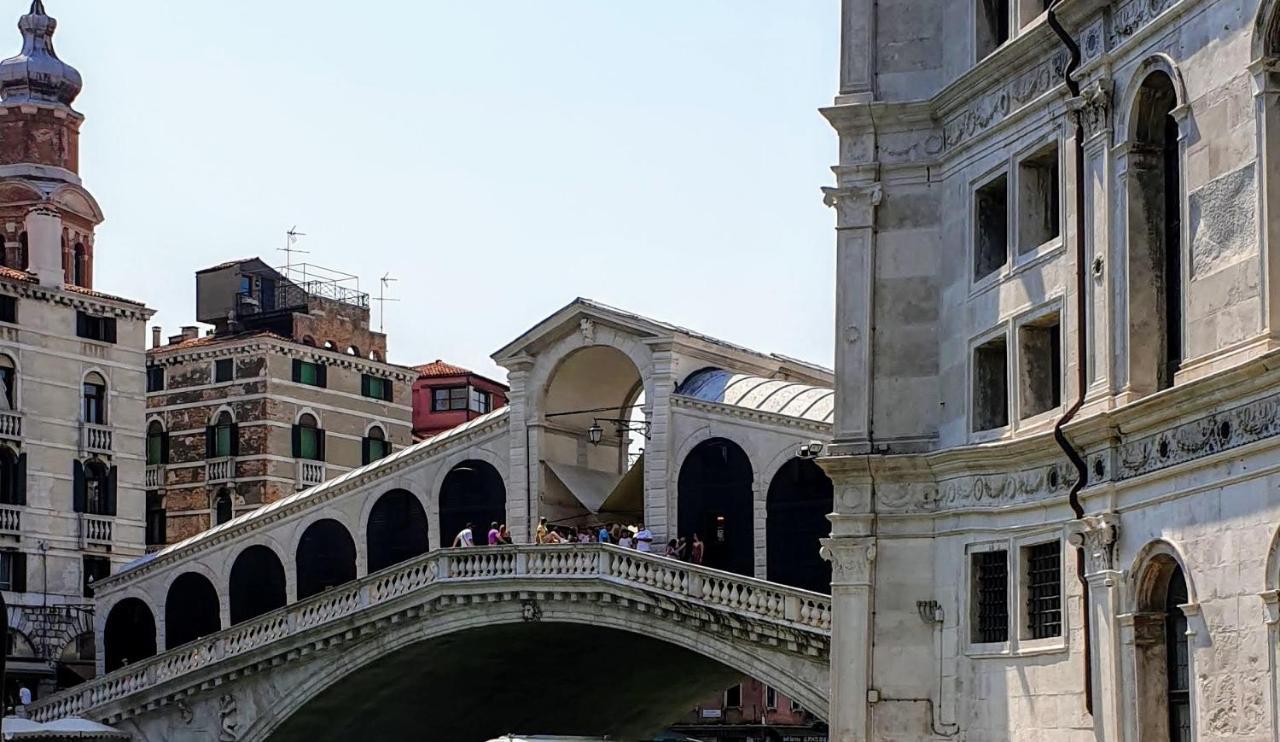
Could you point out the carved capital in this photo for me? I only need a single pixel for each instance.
(854, 204)
(851, 560)
(1096, 534)
(1271, 606)
(1094, 108)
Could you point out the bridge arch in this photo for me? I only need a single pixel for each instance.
(191, 609)
(800, 498)
(395, 530)
(472, 492)
(257, 583)
(129, 634)
(715, 495)
(325, 557)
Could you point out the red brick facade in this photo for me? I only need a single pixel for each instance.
(428, 417)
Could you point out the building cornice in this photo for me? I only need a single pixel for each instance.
(93, 303)
(235, 347)
(754, 416)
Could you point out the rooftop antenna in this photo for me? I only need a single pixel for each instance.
(382, 300)
(291, 239)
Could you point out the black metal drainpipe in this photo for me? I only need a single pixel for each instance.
(1082, 379)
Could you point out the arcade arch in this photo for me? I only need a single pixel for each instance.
(257, 584)
(800, 498)
(397, 530)
(129, 634)
(326, 557)
(715, 494)
(191, 610)
(472, 492)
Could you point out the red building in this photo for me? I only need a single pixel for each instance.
(751, 712)
(446, 396)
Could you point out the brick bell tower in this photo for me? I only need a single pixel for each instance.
(45, 212)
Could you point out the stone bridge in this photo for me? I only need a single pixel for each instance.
(467, 644)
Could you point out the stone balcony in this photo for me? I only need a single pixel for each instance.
(10, 425)
(95, 438)
(155, 476)
(310, 473)
(95, 530)
(217, 471)
(10, 519)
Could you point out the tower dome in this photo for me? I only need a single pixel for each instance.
(36, 75)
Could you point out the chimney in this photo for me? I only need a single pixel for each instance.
(44, 247)
(155, 336)
(190, 332)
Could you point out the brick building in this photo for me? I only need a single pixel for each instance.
(71, 380)
(288, 389)
(446, 396)
(751, 712)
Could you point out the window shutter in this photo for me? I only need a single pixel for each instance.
(322, 375)
(365, 455)
(77, 486)
(164, 447)
(365, 384)
(19, 572)
(20, 481)
(110, 329)
(210, 441)
(320, 444)
(111, 490)
(386, 390)
(235, 439)
(297, 441)
(82, 324)
(297, 370)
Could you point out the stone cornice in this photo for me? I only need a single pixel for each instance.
(233, 347)
(756, 416)
(97, 304)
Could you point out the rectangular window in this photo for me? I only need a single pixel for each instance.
(155, 519)
(993, 25)
(155, 448)
(451, 398)
(375, 387)
(89, 327)
(312, 374)
(990, 597)
(991, 228)
(8, 309)
(481, 401)
(375, 448)
(1029, 10)
(223, 370)
(796, 708)
(770, 699)
(222, 440)
(95, 568)
(733, 697)
(1039, 205)
(1040, 366)
(13, 571)
(309, 443)
(991, 385)
(155, 378)
(1044, 589)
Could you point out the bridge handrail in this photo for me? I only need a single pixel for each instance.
(759, 599)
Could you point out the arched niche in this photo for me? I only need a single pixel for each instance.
(129, 635)
(715, 502)
(257, 584)
(326, 558)
(191, 610)
(397, 530)
(800, 498)
(472, 492)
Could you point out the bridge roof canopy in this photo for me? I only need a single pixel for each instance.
(777, 396)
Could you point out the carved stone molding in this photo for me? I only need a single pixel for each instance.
(228, 719)
(851, 560)
(588, 329)
(1097, 535)
(906, 497)
(985, 490)
(1271, 606)
(853, 203)
(1197, 439)
(1131, 16)
(990, 109)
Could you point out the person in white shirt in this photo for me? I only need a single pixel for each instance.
(644, 539)
(464, 538)
(625, 542)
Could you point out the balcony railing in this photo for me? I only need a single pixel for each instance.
(11, 425)
(10, 519)
(155, 476)
(220, 470)
(310, 473)
(95, 438)
(95, 529)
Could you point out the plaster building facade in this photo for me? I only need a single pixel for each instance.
(245, 415)
(1056, 219)
(71, 389)
(446, 396)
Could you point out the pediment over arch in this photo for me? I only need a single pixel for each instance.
(78, 201)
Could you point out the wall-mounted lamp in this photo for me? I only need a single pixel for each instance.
(595, 433)
(930, 611)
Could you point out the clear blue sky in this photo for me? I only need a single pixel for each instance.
(499, 157)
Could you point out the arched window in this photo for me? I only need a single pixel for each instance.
(353, 351)
(4, 251)
(79, 266)
(94, 398)
(376, 445)
(190, 610)
(257, 584)
(222, 438)
(129, 635)
(1155, 237)
(715, 503)
(375, 355)
(223, 507)
(8, 378)
(157, 444)
(1162, 657)
(95, 488)
(326, 558)
(472, 492)
(800, 498)
(308, 439)
(156, 519)
(308, 340)
(397, 530)
(329, 345)
(1178, 658)
(13, 477)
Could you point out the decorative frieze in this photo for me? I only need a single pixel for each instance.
(1131, 16)
(1197, 439)
(988, 110)
(1029, 485)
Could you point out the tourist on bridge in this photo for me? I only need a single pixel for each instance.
(465, 537)
(540, 535)
(697, 550)
(494, 534)
(603, 535)
(644, 539)
(504, 535)
(626, 541)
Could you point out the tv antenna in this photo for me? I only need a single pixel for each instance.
(382, 300)
(291, 239)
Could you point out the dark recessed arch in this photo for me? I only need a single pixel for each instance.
(257, 584)
(326, 557)
(472, 492)
(715, 502)
(190, 610)
(129, 635)
(800, 498)
(397, 530)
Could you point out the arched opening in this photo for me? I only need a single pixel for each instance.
(257, 584)
(473, 493)
(353, 351)
(800, 498)
(94, 399)
(376, 445)
(592, 442)
(1163, 701)
(9, 380)
(715, 503)
(397, 530)
(223, 507)
(129, 634)
(1155, 237)
(326, 558)
(190, 610)
(157, 444)
(308, 340)
(329, 345)
(308, 438)
(222, 438)
(79, 266)
(98, 487)
(375, 355)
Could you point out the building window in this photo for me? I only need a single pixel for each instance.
(223, 370)
(155, 378)
(95, 488)
(1039, 200)
(312, 374)
(8, 308)
(990, 597)
(80, 266)
(1040, 365)
(95, 568)
(375, 387)
(13, 477)
(795, 707)
(308, 439)
(1044, 589)
(993, 25)
(223, 507)
(94, 407)
(1178, 659)
(155, 519)
(481, 401)
(9, 378)
(733, 697)
(24, 251)
(13, 572)
(991, 227)
(376, 445)
(222, 438)
(89, 327)
(991, 385)
(770, 699)
(157, 444)
(449, 399)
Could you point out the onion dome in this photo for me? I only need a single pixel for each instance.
(36, 75)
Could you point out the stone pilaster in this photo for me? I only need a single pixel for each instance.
(1094, 106)
(1266, 100)
(522, 485)
(852, 575)
(857, 45)
(659, 500)
(1097, 536)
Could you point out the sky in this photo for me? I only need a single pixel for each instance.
(497, 157)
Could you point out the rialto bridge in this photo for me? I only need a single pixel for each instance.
(342, 596)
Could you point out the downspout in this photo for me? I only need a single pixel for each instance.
(1082, 379)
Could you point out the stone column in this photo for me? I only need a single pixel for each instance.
(659, 501)
(1266, 98)
(1097, 536)
(522, 489)
(852, 560)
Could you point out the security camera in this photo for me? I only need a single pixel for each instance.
(810, 450)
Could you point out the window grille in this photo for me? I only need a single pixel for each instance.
(1044, 590)
(991, 585)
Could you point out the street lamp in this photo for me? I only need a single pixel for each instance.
(595, 432)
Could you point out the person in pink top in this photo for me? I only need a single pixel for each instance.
(495, 536)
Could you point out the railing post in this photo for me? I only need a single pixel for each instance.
(693, 585)
(442, 571)
(791, 608)
(604, 564)
(522, 562)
